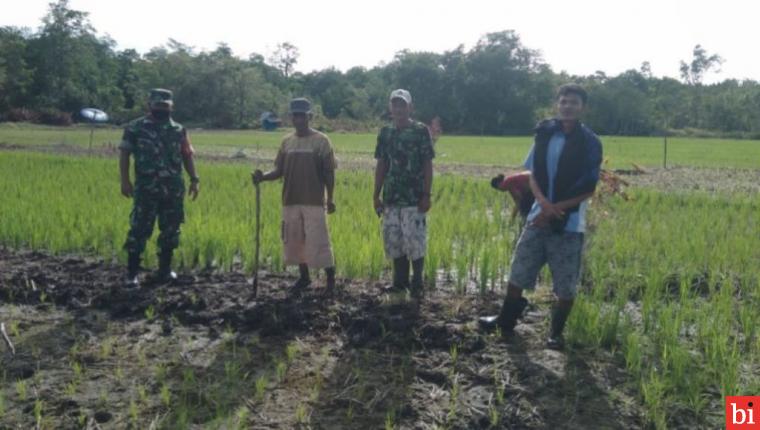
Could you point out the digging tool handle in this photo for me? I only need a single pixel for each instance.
(258, 240)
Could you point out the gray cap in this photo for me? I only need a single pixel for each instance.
(300, 105)
(160, 95)
(401, 94)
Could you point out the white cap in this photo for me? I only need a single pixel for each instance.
(401, 94)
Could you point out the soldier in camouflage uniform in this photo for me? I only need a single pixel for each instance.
(404, 175)
(160, 147)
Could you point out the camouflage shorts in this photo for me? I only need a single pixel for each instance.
(404, 232)
(561, 251)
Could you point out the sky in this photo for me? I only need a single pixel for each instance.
(579, 37)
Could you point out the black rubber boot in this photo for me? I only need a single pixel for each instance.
(330, 287)
(165, 274)
(418, 269)
(400, 273)
(133, 270)
(559, 318)
(304, 280)
(511, 311)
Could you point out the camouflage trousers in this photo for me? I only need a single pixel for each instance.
(164, 203)
(404, 232)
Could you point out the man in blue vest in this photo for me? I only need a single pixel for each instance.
(564, 163)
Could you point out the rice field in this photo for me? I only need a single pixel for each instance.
(89, 216)
(671, 281)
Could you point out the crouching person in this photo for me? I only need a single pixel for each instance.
(518, 187)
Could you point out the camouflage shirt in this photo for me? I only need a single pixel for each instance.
(158, 149)
(404, 151)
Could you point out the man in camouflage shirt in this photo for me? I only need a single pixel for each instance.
(404, 175)
(160, 147)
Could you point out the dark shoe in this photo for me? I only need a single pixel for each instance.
(400, 274)
(489, 323)
(418, 268)
(511, 311)
(330, 285)
(133, 269)
(559, 318)
(165, 275)
(132, 281)
(556, 343)
(301, 284)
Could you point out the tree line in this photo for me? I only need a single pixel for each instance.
(499, 86)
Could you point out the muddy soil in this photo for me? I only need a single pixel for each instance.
(204, 353)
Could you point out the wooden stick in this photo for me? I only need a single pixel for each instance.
(258, 242)
(7, 339)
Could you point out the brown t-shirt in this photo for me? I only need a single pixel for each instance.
(304, 163)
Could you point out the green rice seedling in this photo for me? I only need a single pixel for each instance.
(133, 413)
(494, 418)
(142, 394)
(166, 396)
(454, 353)
(390, 419)
(70, 389)
(281, 369)
(453, 398)
(119, 373)
(107, 347)
(160, 371)
(302, 415)
(21, 390)
(290, 352)
(38, 409)
(261, 388)
(82, 418)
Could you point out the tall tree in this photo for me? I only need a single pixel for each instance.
(285, 57)
(701, 63)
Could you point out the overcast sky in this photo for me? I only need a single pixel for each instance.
(579, 37)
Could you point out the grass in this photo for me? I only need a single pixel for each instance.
(477, 150)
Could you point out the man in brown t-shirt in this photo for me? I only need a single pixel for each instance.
(306, 163)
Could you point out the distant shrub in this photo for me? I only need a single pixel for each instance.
(54, 117)
(21, 115)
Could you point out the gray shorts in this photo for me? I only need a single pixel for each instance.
(404, 232)
(539, 246)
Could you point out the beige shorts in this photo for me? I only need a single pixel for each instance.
(305, 237)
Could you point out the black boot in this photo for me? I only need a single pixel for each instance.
(400, 273)
(133, 270)
(418, 268)
(304, 280)
(560, 314)
(511, 311)
(330, 287)
(165, 274)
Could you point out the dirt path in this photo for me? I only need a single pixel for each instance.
(204, 352)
